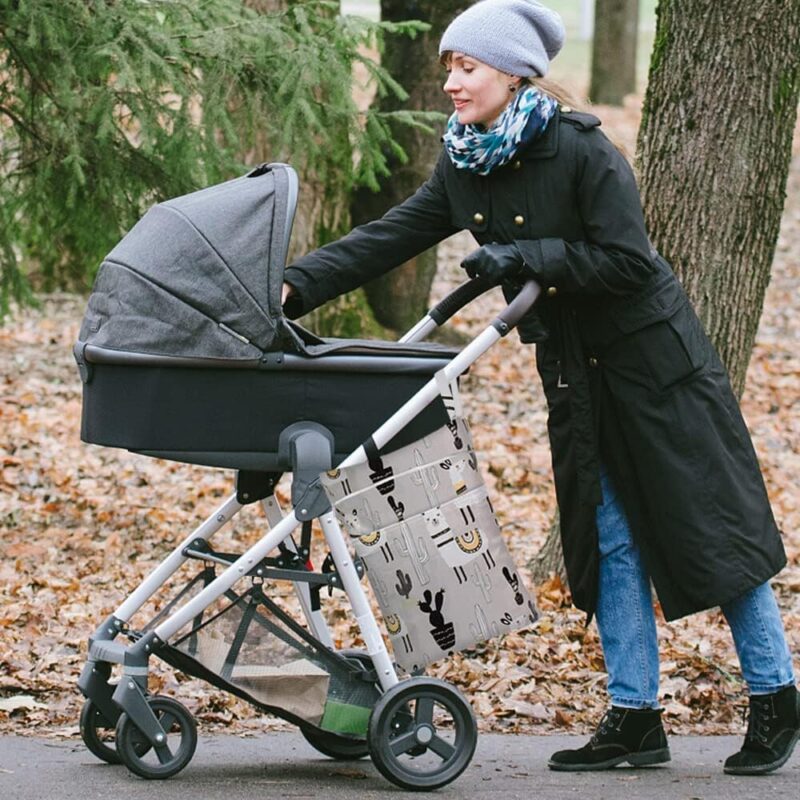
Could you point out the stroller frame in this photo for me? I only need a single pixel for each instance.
(143, 722)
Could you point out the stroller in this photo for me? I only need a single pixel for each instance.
(184, 354)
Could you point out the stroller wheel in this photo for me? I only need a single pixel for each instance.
(342, 748)
(97, 732)
(422, 734)
(161, 761)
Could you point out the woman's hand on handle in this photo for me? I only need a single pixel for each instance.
(494, 262)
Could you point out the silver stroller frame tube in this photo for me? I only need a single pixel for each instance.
(426, 395)
(316, 622)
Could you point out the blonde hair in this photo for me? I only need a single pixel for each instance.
(558, 92)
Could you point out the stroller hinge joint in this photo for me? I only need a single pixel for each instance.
(308, 447)
(501, 326)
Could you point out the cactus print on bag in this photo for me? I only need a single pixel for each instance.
(425, 529)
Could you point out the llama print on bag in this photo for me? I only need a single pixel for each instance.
(456, 470)
(361, 519)
(426, 531)
(470, 542)
(370, 539)
(393, 624)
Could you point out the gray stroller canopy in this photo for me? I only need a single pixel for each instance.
(200, 276)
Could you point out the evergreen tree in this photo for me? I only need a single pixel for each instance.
(107, 107)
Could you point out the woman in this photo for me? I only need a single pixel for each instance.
(655, 474)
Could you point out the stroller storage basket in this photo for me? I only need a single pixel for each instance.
(254, 649)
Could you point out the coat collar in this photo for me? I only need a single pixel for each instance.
(546, 145)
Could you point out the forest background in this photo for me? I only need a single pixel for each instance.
(80, 526)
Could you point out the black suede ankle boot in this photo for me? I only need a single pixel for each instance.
(773, 729)
(624, 734)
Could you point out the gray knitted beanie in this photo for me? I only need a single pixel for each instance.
(519, 37)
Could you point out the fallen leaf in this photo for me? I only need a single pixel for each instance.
(19, 701)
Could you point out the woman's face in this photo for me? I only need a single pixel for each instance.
(479, 92)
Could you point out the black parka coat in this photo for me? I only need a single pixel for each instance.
(630, 377)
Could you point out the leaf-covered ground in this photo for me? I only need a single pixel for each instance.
(80, 526)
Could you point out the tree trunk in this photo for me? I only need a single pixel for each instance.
(399, 298)
(713, 155)
(616, 31)
(550, 558)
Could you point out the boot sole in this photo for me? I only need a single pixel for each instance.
(763, 769)
(647, 759)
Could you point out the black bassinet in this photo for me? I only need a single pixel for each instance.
(185, 354)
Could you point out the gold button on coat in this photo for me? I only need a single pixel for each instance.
(552, 291)
(519, 220)
(516, 165)
(592, 362)
(478, 218)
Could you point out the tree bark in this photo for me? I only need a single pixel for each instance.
(713, 155)
(616, 32)
(550, 558)
(399, 298)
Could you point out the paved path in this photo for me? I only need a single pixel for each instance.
(281, 765)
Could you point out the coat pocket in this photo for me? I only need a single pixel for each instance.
(673, 349)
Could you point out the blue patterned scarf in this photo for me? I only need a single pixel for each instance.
(481, 150)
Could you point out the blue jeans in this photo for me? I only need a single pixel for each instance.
(627, 622)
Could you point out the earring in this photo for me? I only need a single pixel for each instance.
(512, 87)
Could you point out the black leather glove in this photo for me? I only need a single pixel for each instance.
(496, 262)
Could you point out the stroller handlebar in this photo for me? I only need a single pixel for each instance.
(461, 296)
(466, 293)
(520, 305)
